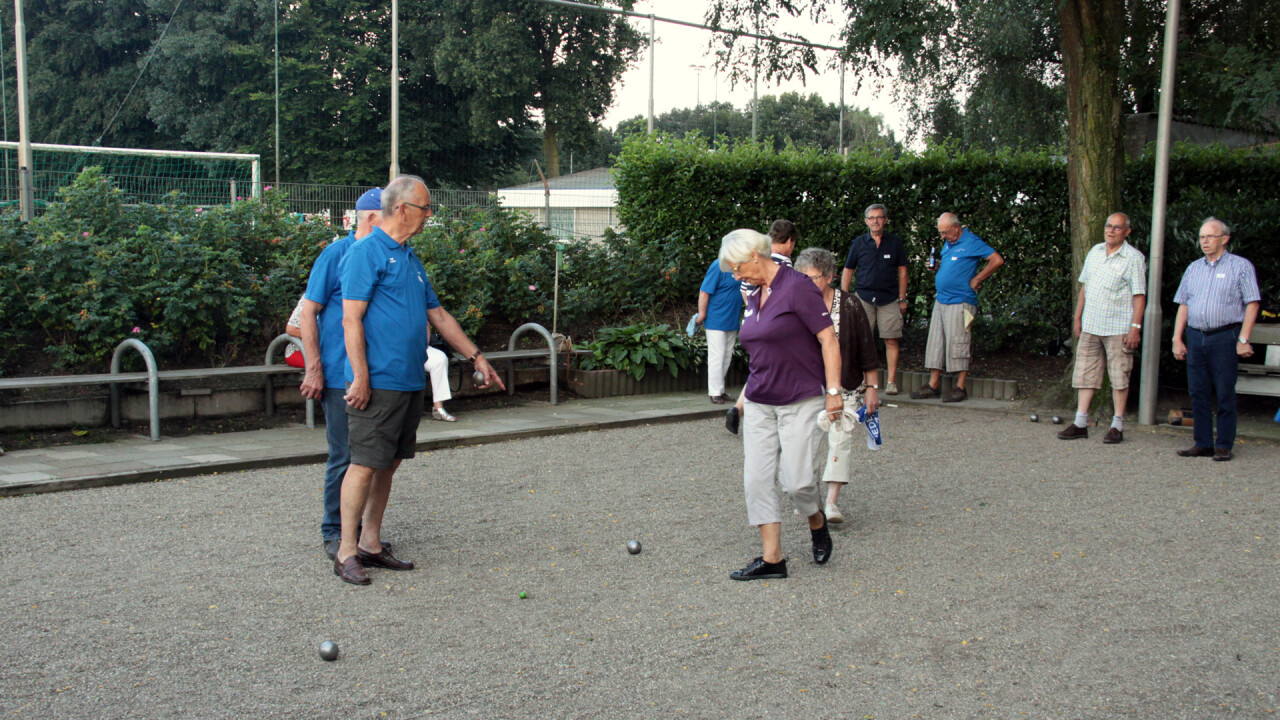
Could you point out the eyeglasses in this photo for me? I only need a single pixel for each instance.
(1211, 237)
(1109, 226)
(428, 209)
(877, 217)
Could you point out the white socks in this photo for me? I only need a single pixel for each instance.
(1082, 419)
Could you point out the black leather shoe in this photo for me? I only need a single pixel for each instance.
(731, 420)
(1221, 454)
(758, 569)
(383, 559)
(331, 548)
(821, 542)
(1196, 451)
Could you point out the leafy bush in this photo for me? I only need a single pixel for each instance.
(195, 284)
(635, 348)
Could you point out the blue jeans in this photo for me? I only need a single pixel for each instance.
(1211, 366)
(335, 431)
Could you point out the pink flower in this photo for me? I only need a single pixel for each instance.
(462, 250)
(86, 233)
(481, 229)
(239, 197)
(267, 187)
(136, 329)
(533, 287)
(199, 209)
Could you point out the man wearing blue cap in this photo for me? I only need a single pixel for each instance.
(326, 352)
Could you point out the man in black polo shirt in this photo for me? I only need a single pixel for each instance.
(879, 259)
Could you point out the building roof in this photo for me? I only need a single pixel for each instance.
(594, 179)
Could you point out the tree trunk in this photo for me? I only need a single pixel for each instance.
(550, 150)
(1091, 38)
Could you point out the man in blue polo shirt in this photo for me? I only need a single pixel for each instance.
(326, 352)
(955, 305)
(386, 303)
(879, 259)
(1218, 302)
(720, 312)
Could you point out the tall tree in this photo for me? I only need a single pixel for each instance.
(520, 56)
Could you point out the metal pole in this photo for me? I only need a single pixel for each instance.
(26, 195)
(653, 49)
(4, 111)
(841, 140)
(255, 178)
(755, 94)
(277, 31)
(715, 110)
(1153, 319)
(555, 305)
(395, 89)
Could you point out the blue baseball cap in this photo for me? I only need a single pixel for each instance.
(370, 200)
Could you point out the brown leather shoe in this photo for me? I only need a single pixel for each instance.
(1113, 437)
(351, 571)
(925, 393)
(956, 395)
(1073, 432)
(383, 559)
(1221, 454)
(717, 399)
(1196, 451)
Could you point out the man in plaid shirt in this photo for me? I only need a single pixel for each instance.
(1107, 325)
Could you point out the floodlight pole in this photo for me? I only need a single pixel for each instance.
(840, 142)
(277, 33)
(395, 89)
(653, 49)
(1154, 316)
(26, 196)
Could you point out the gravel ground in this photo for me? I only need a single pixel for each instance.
(988, 570)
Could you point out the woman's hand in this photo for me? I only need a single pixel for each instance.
(835, 405)
(871, 400)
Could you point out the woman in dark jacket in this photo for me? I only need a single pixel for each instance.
(859, 368)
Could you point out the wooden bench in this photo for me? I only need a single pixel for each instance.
(1262, 379)
(152, 376)
(511, 354)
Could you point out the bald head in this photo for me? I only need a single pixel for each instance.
(949, 227)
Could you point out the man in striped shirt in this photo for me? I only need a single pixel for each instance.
(1107, 325)
(1218, 303)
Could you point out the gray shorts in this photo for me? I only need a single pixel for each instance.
(887, 318)
(386, 430)
(948, 348)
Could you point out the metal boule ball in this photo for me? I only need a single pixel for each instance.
(633, 547)
(1035, 417)
(477, 378)
(329, 650)
(1057, 420)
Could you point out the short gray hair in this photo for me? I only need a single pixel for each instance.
(737, 246)
(820, 259)
(875, 206)
(399, 191)
(1226, 229)
(1127, 222)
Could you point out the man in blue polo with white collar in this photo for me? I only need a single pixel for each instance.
(955, 305)
(387, 301)
(320, 325)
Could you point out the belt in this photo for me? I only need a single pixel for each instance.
(1215, 331)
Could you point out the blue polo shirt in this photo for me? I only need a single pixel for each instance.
(875, 267)
(389, 276)
(957, 264)
(324, 287)
(724, 309)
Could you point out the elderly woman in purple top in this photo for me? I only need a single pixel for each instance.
(794, 377)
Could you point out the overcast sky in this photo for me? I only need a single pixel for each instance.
(677, 83)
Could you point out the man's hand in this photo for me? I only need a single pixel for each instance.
(1077, 327)
(490, 375)
(312, 386)
(700, 318)
(358, 394)
(973, 282)
(1133, 339)
(1244, 349)
(903, 307)
(871, 400)
(1179, 349)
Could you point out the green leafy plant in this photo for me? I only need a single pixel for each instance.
(634, 349)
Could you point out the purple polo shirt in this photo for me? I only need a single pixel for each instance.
(786, 358)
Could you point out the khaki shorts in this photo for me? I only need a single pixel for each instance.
(887, 317)
(1090, 352)
(949, 339)
(386, 430)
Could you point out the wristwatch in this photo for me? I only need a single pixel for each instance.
(833, 391)
(873, 386)
(1244, 339)
(1135, 326)
(902, 300)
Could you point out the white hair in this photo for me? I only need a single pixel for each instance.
(1222, 227)
(399, 191)
(737, 246)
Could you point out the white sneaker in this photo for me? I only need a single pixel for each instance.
(891, 388)
(833, 513)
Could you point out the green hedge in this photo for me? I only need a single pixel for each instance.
(675, 190)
